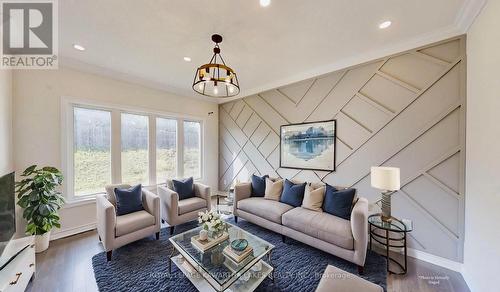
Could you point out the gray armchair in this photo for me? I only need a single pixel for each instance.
(175, 211)
(116, 231)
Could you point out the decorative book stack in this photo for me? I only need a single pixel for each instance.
(204, 245)
(237, 256)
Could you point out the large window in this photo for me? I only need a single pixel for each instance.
(166, 149)
(192, 149)
(134, 142)
(113, 145)
(91, 150)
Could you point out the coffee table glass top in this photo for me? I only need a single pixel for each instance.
(214, 262)
(393, 225)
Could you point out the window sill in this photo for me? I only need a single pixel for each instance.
(76, 202)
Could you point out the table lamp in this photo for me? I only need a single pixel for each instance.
(387, 180)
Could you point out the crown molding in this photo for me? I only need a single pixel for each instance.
(70, 63)
(468, 13)
(464, 19)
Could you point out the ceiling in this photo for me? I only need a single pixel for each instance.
(288, 41)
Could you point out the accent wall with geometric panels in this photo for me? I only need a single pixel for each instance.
(406, 110)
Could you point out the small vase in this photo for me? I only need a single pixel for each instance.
(42, 242)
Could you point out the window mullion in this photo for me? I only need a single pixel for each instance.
(152, 150)
(116, 159)
(180, 147)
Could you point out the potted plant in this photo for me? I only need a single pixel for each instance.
(38, 196)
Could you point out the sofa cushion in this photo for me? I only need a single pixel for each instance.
(300, 219)
(333, 229)
(324, 226)
(191, 204)
(273, 189)
(339, 202)
(267, 209)
(128, 200)
(293, 194)
(258, 185)
(184, 187)
(131, 222)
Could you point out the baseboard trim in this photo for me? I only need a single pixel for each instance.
(73, 231)
(427, 257)
(436, 260)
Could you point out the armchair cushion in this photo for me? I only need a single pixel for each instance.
(191, 204)
(128, 200)
(184, 188)
(131, 222)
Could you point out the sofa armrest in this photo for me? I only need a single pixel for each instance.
(106, 221)
(241, 191)
(359, 227)
(151, 204)
(203, 191)
(169, 205)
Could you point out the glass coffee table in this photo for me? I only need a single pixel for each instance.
(212, 270)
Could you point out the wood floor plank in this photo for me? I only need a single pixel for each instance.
(67, 267)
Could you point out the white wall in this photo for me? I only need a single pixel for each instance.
(6, 157)
(37, 122)
(482, 215)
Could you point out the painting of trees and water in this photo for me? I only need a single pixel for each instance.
(308, 146)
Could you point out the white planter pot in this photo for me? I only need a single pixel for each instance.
(42, 242)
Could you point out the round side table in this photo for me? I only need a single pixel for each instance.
(398, 230)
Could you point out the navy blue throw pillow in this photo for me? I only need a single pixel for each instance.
(293, 194)
(184, 188)
(338, 202)
(128, 200)
(258, 185)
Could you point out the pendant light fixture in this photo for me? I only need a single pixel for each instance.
(216, 79)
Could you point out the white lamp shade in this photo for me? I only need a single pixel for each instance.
(385, 178)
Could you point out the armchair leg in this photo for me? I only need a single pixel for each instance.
(172, 230)
(157, 235)
(99, 237)
(108, 255)
(235, 219)
(361, 270)
(283, 238)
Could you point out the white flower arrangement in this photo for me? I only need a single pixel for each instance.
(211, 221)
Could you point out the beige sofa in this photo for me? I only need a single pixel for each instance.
(115, 231)
(343, 238)
(175, 211)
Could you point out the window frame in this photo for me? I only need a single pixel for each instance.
(67, 140)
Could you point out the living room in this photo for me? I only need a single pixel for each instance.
(257, 145)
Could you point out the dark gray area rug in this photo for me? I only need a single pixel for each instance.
(143, 265)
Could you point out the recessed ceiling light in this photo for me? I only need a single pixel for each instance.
(187, 59)
(265, 3)
(78, 47)
(385, 24)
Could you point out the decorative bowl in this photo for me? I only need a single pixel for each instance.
(239, 244)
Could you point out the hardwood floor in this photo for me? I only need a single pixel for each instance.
(67, 267)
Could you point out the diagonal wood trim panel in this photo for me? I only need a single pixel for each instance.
(405, 110)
